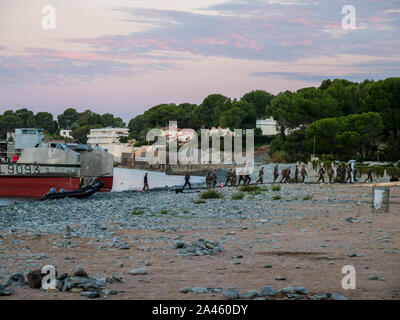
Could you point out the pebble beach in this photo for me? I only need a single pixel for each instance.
(163, 245)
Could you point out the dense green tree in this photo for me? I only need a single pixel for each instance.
(282, 109)
(45, 120)
(324, 132)
(205, 114)
(118, 123)
(136, 127)
(107, 120)
(8, 122)
(369, 126)
(346, 135)
(241, 115)
(185, 115)
(343, 117)
(68, 118)
(260, 99)
(80, 134)
(160, 115)
(27, 117)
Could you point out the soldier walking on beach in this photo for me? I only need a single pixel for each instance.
(247, 177)
(260, 176)
(296, 174)
(343, 173)
(303, 173)
(228, 178)
(208, 180)
(241, 178)
(339, 173)
(369, 172)
(349, 171)
(283, 173)
(214, 179)
(330, 174)
(321, 173)
(288, 172)
(234, 178)
(276, 173)
(355, 173)
(187, 182)
(145, 182)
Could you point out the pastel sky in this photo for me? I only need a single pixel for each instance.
(124, 56)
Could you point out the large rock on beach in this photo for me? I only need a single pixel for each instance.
(35, 278)
(78, 271)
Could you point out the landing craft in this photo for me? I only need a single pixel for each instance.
(65, 166)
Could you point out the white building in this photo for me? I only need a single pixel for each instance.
(267, 126)
(221, 132)
(66, 133)
(181, 135)
(108, 139)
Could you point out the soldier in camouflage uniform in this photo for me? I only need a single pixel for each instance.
(208, 180)
(247, 177)
(303, 173)
(214, 179)
(288, 172)
(261, 176)
(241, 178)
(330, 174)
(339, 173)
(343, 173)
(234, 181)
(355, 174)
(229, 178)
(283, 175)
(369, 172)
(321, 173)
(349, 171)
(276, 173)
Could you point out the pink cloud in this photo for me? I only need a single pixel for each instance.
(306, 43)
(244, 42)
(377, 19)
(302, 21)
(210, 41)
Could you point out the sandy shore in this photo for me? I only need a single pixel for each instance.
(305, 241)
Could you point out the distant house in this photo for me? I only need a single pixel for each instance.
(140, 153)
(66, 133)
(222, 132)
(267, 126)
(181, 135)
(108, 139)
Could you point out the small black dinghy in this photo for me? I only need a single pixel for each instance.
(80, 193)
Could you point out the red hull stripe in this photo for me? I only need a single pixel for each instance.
(108, 184)
(36, 187)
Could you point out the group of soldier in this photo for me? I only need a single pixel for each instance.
(344, 174)
(286, 178)
(231, 177)
(233, 180)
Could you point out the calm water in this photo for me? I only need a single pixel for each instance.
(132, 179)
